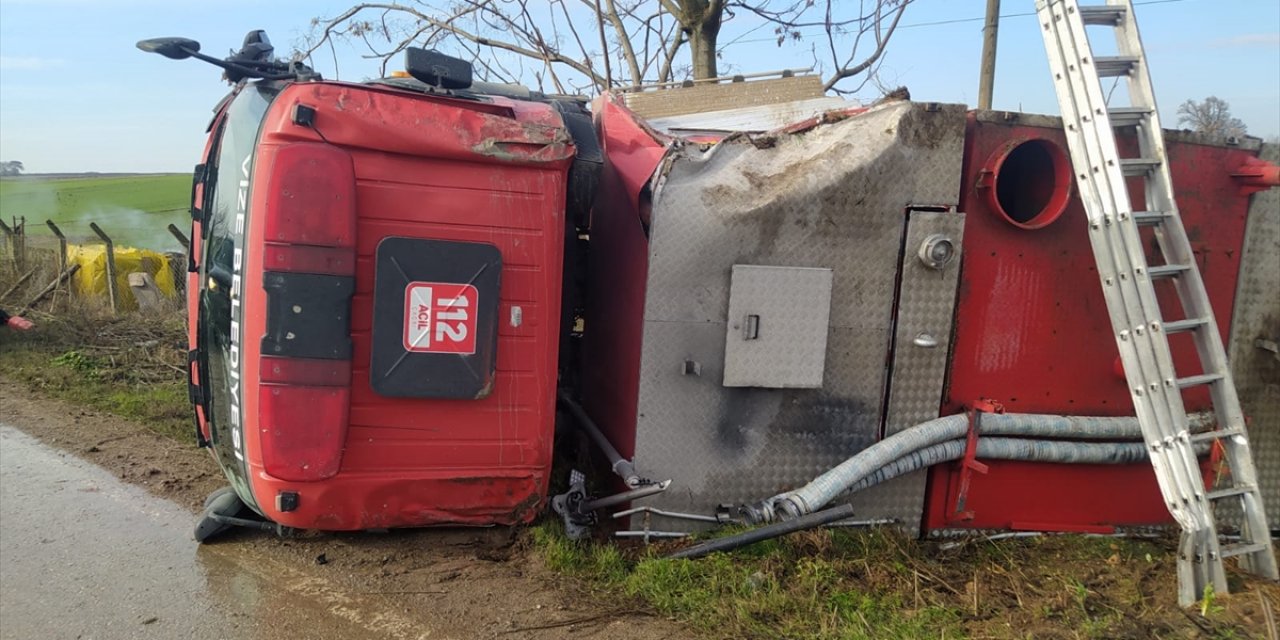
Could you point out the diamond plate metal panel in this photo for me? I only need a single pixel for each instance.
(1257, 370)
(830, 198)
(922, 340)
(777, 333)
(926, 307)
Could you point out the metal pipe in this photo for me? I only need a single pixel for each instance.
(650, 534)
(809, 521)
(620, 466)
(696, 517)
(870, 522)
(625, 496)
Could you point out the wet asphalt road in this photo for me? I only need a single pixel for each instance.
(85, 556)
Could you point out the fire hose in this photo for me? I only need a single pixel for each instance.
(943, 440)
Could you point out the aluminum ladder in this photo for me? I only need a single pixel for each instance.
(1128, 283)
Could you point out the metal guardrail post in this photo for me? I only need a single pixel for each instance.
(111, 267)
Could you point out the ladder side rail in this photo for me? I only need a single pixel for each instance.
(1122, 294)
(1200, 556)
(1172, 235)
(1101, 160)
(1175, 245)
(1177, 472)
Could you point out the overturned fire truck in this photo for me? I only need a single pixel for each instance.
(768, 300)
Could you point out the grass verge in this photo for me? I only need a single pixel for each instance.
(864, 584)
(131, 366)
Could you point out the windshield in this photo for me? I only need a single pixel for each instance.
(224, 237)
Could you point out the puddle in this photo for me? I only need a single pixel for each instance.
(83, 555)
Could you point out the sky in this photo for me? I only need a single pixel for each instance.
(76, 95)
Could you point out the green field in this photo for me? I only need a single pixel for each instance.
(133, 209)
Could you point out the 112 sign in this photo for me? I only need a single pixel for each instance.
(440, 317)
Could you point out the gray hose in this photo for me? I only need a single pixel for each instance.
(1074, 427)
(909, 442)
(1012, 449)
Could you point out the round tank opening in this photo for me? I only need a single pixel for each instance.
(1030, 183)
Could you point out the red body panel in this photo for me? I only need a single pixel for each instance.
(427, 167)
(1032, 332)
(617, 274)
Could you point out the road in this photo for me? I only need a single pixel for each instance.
(85, 556)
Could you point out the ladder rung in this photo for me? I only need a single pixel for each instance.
(1127, 116)
(1150, 217)
(1111, 66)
(1209, 436)
(1197, 380)
(1166, 270)
(1102, 14)
(1138, 166)
(1242, 548)
(1119, 256)
(1190, 324)
(1230, 492)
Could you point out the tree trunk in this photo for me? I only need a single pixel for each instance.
(700, 19)
(702, 42)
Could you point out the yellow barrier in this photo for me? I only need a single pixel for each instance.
(91, 278)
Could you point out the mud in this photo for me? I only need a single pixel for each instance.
(439, 583)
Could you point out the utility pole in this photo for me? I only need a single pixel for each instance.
(987, 77)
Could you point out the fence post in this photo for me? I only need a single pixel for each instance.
(62, 245)
(182, 238)
(8, 236)
(16, 235)
(20, 243)
(111, 267)
(62, 250)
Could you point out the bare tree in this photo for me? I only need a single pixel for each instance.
(594, 45)
(1213, 116)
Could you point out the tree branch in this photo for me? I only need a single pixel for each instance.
(882, 40)
(548, 55)
(664, 72)
(604, 44)
(624, 39)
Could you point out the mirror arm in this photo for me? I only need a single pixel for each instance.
(244, 70)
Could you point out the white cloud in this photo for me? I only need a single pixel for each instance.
(28, 63)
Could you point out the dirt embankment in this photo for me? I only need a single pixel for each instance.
(459, 583)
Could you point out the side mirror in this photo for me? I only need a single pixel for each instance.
(256, 48)
(437, 69)
(174, 48)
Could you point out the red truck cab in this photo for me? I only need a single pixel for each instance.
(374, 294)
